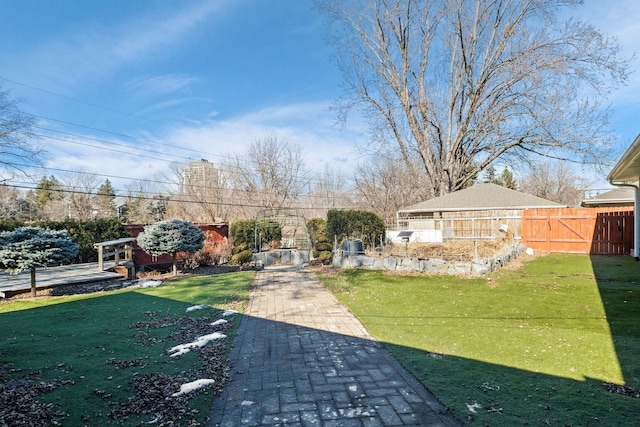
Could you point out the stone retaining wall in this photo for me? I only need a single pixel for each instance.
(282, 256)
(478, 267)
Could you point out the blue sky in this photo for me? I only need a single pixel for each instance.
(202, 79)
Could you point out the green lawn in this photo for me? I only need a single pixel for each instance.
(529, 347)
(86, 354)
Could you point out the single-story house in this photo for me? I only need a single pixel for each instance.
(482, 211)
(626, 173)
(617, 197)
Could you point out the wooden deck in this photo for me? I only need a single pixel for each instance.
(12, 284)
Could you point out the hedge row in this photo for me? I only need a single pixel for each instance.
(354, 224)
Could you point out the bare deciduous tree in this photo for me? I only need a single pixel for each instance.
(271, 174)
(384, 185)
(460, 83)
(16, 138)
(79, 197)
(555, 182)
(12, 203)
(328, 191)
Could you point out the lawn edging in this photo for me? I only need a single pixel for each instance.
(477, 267)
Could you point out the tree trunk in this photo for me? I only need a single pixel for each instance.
(33, 281)
(175, 267)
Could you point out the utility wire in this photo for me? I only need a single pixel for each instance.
(220, 166)
(154, 181)
(159, 197)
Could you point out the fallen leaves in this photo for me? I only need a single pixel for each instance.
(160, 397)
(19, 405)
(164, 398)
(622, 389)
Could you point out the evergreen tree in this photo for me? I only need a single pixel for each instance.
(171, 237)
(106, 201)
(135, 210)
(490, 176)
(157, 207)
(507, 179)
(48, 189)
(27, 248)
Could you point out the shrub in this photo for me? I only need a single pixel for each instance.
(323, 246)
(354, 224)
(324, 257)
(202, 258)
(242, 258)
(244, 231)
(237, 248)
(210, 255)
(221, 252)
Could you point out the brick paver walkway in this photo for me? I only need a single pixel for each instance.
(302, 359)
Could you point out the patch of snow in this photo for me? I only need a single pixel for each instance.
(181, 349)
(247, 403)
(219, 322)
(354, 412)
(472, 408)
(228, 313)
(150, 283)
(192, 386)
(196, 307)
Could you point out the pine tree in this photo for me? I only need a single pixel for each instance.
(490, 176)
(105, 201)
(27, 248)
(507, 179)
(171, 237)
(48, 189)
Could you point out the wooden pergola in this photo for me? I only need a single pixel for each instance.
(626, 173)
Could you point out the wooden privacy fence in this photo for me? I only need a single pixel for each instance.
(604, 231)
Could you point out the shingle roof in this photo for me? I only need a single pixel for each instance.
(481, 197)
(616, 195)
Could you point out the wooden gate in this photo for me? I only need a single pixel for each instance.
(579, 230)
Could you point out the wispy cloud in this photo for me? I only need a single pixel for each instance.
(97, 51)
(309, 125)
(161, 85)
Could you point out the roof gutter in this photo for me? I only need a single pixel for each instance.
(625, 161)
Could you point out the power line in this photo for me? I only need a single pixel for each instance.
(102, 107)
(102, 148)
(131, 137)
(154, 181)
(156, 198)
(229, 167)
